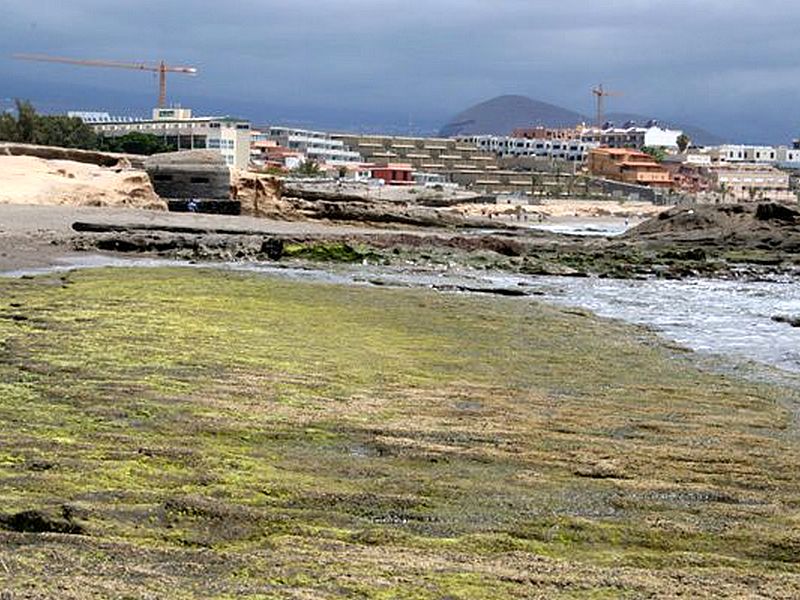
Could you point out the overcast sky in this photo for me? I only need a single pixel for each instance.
(728, 65)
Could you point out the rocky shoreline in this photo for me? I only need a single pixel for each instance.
(750, 242)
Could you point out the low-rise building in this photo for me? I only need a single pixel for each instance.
(430, 179)
(690, 172)
(722, 181)
(318, 146)
(781, 156)
(788, 158)
(748, 182)
(457, 162)
(567, 149)
(269, 154)
(632, 136)
(628, 166)
(176, 126)
(741, 153)
(547, 133)
(629, 135)
(394, 173)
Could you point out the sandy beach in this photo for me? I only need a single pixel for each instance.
(551, 208)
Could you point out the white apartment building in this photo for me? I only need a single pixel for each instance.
(781, 156)
(742, 153)
(574, 150)
(788, 157)
(176, 126)
(92, 117)
(316, 145)
(632, 137)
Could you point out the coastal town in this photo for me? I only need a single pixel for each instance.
(629, 160)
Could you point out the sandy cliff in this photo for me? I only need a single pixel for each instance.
(32, 180)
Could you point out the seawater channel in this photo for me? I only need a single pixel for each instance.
(715, 318)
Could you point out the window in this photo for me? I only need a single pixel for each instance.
(162, 177)
(199, 180)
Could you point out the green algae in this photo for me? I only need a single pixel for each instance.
(378, 443)
(327, 252)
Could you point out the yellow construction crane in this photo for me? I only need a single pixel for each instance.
(161, 68)
(601, 95)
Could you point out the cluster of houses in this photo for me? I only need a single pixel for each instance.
(712, 174)
(648, 155)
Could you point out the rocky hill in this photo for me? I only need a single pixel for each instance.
(501, 115)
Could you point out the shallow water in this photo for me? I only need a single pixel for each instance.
(708, 316)
(588, 227)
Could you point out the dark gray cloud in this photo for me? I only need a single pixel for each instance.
(727, 65)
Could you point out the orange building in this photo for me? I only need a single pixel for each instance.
(628, 166)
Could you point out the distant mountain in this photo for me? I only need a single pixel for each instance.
(501, 115)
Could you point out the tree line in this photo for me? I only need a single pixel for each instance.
(29, 127)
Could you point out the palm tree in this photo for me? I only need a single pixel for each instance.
(684, 141)
(723, 189)
(535, 180)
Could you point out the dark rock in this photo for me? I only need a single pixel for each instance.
(497, 291)
(43, 521)
(779, 212)
(793, 321)
(272, 248)
(689, 254)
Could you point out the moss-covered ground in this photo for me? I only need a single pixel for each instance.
(184, 433)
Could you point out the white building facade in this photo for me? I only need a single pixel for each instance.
(781, 156)
(316, 145)
(574, 150)
(176, 126)
(632, 137)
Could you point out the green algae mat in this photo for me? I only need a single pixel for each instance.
(186, 433)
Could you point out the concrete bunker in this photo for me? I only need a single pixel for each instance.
(193, 181)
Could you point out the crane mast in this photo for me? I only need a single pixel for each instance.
(601, 94)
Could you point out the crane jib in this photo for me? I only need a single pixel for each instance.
(162, 68)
